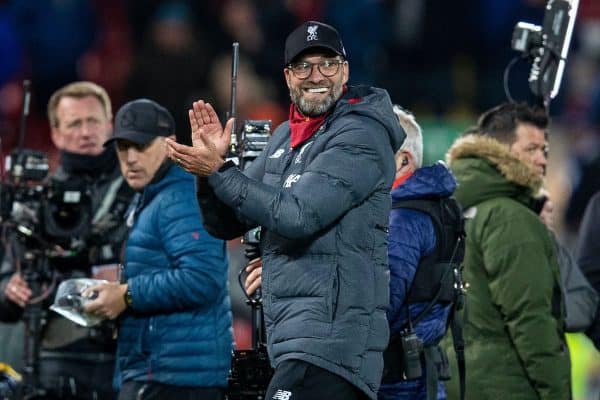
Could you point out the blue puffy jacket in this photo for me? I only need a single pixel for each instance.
(411, 238)
(178, 330)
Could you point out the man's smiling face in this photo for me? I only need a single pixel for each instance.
(316, 93)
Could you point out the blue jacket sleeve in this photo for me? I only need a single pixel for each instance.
(411, 237)
(342, 176)
(198, 270)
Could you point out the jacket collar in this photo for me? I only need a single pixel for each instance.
(166, 173)
(497, 154)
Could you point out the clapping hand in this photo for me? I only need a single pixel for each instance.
(210, 141)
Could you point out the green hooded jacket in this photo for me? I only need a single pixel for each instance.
(514, 316)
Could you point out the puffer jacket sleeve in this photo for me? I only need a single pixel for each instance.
(522, 286)
(339, 178)
(411, 237)
(198, 270)
(220, 220)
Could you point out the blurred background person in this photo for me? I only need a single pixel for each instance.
(588, 256)
(173, 63)
(254, 94)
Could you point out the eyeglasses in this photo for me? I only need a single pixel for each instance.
(304, 69)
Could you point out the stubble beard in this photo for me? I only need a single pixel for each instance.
(315, 108)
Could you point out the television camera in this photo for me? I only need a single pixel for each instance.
(250, 369)
(546, 46)
(48, 215)
(42, 219)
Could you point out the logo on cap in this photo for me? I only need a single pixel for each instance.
(163, 123)
(128, 119)
(312, 33)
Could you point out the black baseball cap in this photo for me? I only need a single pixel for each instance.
(142, 120)
(312, 34)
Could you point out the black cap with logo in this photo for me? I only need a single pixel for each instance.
(142, 120)
(310, 35)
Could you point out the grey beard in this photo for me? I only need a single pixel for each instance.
(315, 108)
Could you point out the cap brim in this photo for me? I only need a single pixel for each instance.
(132, 136)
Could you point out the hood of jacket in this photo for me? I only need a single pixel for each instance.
(373, 103)
(486, 169)
(434, 181)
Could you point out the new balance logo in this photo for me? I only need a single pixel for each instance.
(282, 395)
(277, 154)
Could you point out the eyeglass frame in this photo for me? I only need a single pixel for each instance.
(337, 61)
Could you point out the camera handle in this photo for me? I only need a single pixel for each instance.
(33, 317)
(258, 323)
(255, 301)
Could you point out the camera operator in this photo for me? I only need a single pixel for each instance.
(77, 362)
(320, 192)
(175, 337)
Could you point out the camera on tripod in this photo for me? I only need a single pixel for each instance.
(250, 369)
(42, 220)
(254, 137)
(44, 213)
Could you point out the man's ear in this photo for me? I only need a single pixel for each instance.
(404, 159)
(286, 74)
(346, 72)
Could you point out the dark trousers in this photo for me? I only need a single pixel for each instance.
(299, 380)
(132, 390)
(63, 378)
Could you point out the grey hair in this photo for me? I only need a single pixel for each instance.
(414, 138)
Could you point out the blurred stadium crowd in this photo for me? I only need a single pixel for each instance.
(444, 60)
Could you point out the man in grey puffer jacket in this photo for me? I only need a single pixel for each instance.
(320, 192)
